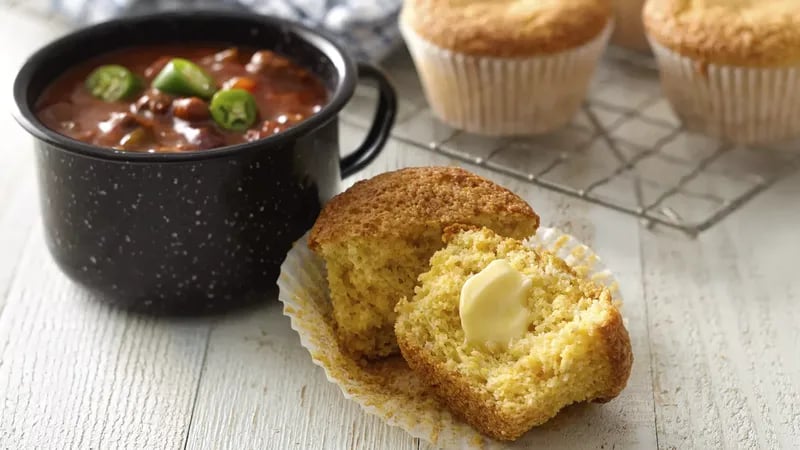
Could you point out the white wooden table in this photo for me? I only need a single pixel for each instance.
(715, 326)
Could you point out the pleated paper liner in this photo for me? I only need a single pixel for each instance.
(388, 388)
(504, 96)
(743, 105)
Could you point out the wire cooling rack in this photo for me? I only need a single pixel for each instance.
(625, 150)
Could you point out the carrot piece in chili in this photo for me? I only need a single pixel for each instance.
(246, 83)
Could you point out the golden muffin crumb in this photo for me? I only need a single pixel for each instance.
(576, 347)
(751, 33)
(507, 28)
(379, 235)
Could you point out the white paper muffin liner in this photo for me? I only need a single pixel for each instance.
(388, 388)
(504, 96)
(741, 105)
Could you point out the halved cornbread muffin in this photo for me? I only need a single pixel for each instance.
(571, 346)
(378, 236)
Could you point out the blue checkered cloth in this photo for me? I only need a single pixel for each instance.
(368, 28)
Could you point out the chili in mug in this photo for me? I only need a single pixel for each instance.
(172, 98)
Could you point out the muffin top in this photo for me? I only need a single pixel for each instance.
(404, 202)
(751, 33)
(507, 28)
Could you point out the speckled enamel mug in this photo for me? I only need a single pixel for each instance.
(193, 232)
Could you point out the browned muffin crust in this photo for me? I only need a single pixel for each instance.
(478, 409)
(471, 405)
(749, 33)
(618, 349)
(507, 28)
(400, 203)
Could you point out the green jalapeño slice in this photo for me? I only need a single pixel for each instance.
(112, 83)
(234, 109)
(183, 77)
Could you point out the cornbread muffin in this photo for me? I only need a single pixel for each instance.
(378, 236)
(628, 26)
(749, 33)
(575, 349)
(730, 68)
(505, 67)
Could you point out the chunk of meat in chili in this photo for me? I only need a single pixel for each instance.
(192, 109)
(113, 132)
(154, 101)
(266, 61)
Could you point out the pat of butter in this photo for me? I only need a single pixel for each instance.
(491, 305)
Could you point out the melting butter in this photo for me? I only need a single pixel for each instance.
(491, 305)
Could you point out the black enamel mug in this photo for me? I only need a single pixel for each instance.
(202, 231)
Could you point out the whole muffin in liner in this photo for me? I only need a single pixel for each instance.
(730, 69)
(499, 69)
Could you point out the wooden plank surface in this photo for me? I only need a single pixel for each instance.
(715, 325)
(724, 320)
(77, 373)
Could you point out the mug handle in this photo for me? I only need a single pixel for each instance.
(381, 125)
